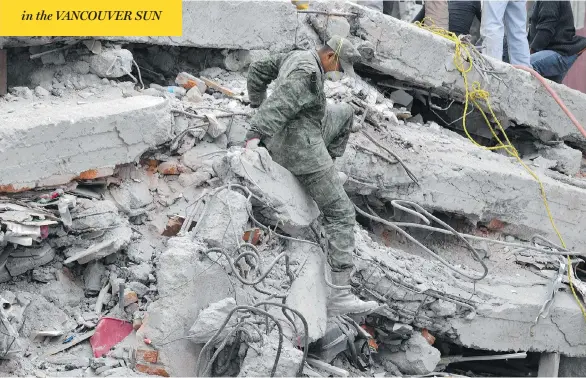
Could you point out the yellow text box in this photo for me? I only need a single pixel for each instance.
(91, 18)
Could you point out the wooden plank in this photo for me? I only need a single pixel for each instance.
(3, 73)
(549, 365)
(74, 342)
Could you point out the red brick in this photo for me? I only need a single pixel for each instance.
(495, 225)
(12, 189)
(147, 355)
(152, 370)
(173, 226)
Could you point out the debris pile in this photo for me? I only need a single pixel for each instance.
(138, 236)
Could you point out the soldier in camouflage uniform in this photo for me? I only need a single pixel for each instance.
(303, 134)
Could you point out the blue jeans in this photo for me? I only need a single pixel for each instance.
(552, 65)
(499, 17)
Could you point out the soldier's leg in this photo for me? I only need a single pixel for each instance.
(338, 215)
(336, 128)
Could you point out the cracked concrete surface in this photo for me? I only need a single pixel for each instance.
(459, 178)
(495, 314)
(59, 143)
(398, 53)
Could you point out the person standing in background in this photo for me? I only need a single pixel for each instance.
(436, 11)
(462, 14)
(554, 44)
(510, 16)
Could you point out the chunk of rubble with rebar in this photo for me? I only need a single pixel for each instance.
(289, 206)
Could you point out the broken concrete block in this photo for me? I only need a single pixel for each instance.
(4, 275)
(41, 92)
(129, 297)
(70, 360)
(91, 215)
(183, 278)
(194, 179)
(266, 179)
(23, 92)
(66, 140)
(419, 357)
(224, 221)
(92, 278)
(193, 95)
(112, 241)
(568, 159)
(24, 259)
(140, 272)
(64, 291)
(255, 365)
(43, 315)
(81, 67)
(55, 58)
(139, 288)
(210, 319)
(44, 274)
(111, 63)
(308, 293)
(141, 251)
(443, 308)
(132, 195)
(237, 60)
(199, 156)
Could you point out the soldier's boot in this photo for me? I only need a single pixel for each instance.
(343, 302)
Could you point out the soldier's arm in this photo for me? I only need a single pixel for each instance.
(260, 74)
(288, 99)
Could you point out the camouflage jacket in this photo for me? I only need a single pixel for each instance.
(289, 121)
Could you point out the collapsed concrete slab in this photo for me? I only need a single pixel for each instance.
(60, 143)
(233, 25)
(223, 225)
(214, 24)
(518, 96)
(497, 313)
(459, 178)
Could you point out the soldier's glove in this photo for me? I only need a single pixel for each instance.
(256, 100)
(252, 140)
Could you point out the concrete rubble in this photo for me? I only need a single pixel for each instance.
(129, 198)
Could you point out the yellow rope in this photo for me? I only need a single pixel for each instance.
(464, 63)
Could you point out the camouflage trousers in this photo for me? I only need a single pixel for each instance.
(326, 189)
